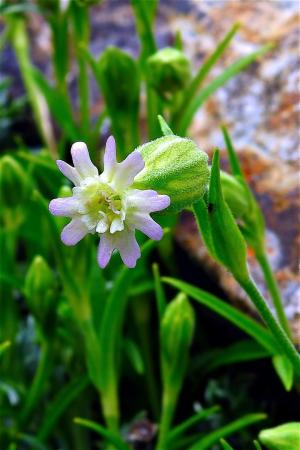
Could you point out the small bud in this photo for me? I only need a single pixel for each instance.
(235, 195)
(283, 437)
(168, 71)
(226, 241)
(176, 167)
(119, 80)
(39, 290)
(177, 331)
(14, 185)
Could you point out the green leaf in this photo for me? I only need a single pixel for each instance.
(257, 445)
(213, 437)
(204, 70)
(166, 130)
(203, 414)
(233, 159)
(225, 445)
(104, 432)
(245, 323)
(144, 11)
(219, 81)
(58, 105)
(134, 356)
(57, 407)
(238, 352)
(284, 370)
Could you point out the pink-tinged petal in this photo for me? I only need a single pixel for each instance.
(110, 158)
(147, 225)
(67, 206)
(69, 172)
(147, 200)
(82, 160)
(105, 250)
(73, 232)
(128, 247)
(127, 170)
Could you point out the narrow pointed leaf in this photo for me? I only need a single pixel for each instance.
(242, 321)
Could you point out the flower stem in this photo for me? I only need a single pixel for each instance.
(274, 291)
(168, 408)
(284, 342)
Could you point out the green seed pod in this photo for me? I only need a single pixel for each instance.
(176, 167)
(168, 71)
(14, 184)
(283, 437)
(177, 330)
(40, 290)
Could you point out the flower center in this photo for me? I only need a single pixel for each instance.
(101, 207)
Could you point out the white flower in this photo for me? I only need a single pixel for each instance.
(107, 204)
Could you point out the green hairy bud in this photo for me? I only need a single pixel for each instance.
(40, 290)
(168, 71)
(177, 331)
(283, 437)
(176, 167)
(14, 185)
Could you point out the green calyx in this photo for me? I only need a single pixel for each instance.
(176, 167)
(283, 437)
(168, 71)
(177, 330)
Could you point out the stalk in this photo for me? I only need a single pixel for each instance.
(274, 291)
(168, 408)
(283, 341)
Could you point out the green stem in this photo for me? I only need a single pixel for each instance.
(274, 291)
(20, 43)
(37, 386)
(168, 408)
(284, 342)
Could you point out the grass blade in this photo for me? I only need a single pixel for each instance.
(108, 435)
(245, 323)
(60, 403)
(211, 438)
(219, 81)
(206, 67)
(194, 420)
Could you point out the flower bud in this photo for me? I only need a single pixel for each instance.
(14, 185)
(234, 194)
(39, 290)
(177, 331)
(283, 437)
(168, 71)
(119, 80)
(176, 167)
